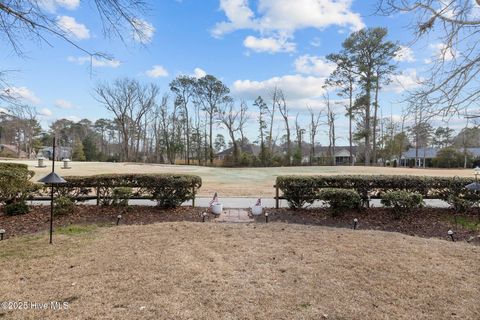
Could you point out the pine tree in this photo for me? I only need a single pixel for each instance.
(78, 153)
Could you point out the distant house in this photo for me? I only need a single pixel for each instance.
(342, 155)
(425, 156)
(249, 149)
(60, 153)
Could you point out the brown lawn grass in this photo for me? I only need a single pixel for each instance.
(229, 271)
(235, 182)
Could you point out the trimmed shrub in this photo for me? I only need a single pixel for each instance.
(298, 192)
(402, 202)
(340, 199)
(175, 190)
(63, 205)
(460, 204)
(15, 187)
(16, 208)
(121, 196)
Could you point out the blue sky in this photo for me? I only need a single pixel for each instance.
(250, 45)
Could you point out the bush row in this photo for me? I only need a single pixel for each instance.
(302, 190)
(169, 190)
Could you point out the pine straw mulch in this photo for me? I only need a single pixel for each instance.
(38, 219)
(424, 222)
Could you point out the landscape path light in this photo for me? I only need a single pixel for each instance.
(52, 179)
(266, 217)
(2, 232)
(119, 217)
(204, 215)
(355, 224)
(450, 233)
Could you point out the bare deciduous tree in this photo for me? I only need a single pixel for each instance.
(210, 93)
(283, 109)
(453, 27)
(313, 130)
(129, 102)
(234, 120)
(22, 20)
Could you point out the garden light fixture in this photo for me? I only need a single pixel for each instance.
(119, 217)
(450, 233)
(2, 232)
(355, 223)
(204, 215)
(266, 217)
(52, 179)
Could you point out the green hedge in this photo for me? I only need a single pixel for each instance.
(169, 190)
(300, 190)
(340, 199)
(15, 186)
(402, 202)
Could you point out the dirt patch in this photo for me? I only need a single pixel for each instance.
(425, 222)
(184, 270)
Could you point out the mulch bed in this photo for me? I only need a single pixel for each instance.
(425, 222)
(38, 219)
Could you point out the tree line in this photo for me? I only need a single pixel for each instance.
(183, 123)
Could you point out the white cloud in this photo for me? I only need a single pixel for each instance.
(53, 5)
(143, 31)
(63, 104)
(314, 65)
(441, 51)
(316, 42)
(72, 27)
(21, 93)
(404, 81)
(268, 44)
(239, 14)
(95, 61)
(293, 86)
(284, 17)
(199, 73)
(156, 72)
(405, 54)
(45, 112)
(72, 118)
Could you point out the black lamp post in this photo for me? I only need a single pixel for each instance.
(52, 179)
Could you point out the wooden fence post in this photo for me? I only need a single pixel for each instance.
(193, 200)
(98, 195)
(276, 197)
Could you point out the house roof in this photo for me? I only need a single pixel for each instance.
(340, 151)
(427, 153)
(474, 151)
(432, 152)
